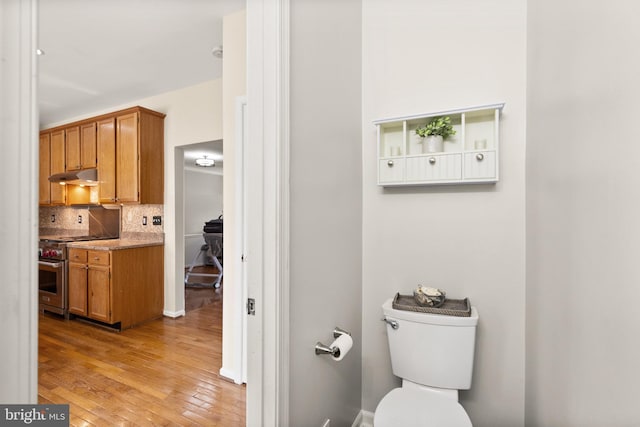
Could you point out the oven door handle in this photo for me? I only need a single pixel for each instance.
(51, 264)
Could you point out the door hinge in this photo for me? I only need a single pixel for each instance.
(251, 306)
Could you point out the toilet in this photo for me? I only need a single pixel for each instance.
(433, 355)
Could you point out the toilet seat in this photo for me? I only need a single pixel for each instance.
(408, 407)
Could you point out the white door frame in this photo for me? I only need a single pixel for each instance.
(240, 330)
(268, 212)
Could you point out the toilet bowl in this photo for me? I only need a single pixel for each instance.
(409, 407)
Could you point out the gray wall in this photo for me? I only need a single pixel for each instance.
(583, 206)
(326, 208)
(469, 240)
(19, 218)
(202, 202)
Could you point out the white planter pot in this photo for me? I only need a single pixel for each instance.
(432, 144)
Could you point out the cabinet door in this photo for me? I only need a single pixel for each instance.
(78, 288)
(45, 170)
(480, 165)
(106, 147)
(436, 167)
(58, 154)
(88, 156)
(127, 158)
(72, 147)
(99, 294)
(390, 171)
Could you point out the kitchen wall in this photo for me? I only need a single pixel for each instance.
(66, 221)
(583, 205)
(326, 209)
(194, 114)
(468, 240)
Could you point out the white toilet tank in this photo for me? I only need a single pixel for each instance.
(432, 349)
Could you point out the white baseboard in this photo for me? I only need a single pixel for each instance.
(173, 314)
(230, 375)
(364, 419)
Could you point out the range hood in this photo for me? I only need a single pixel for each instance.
(87, 177)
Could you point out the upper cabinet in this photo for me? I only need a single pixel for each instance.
(467, 152)
(131, 157)
(45, 169)
(57, 165)
(81, 146)
(126, 147)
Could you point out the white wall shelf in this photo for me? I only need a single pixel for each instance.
(471, 156)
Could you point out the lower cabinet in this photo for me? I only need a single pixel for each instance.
(121, 287)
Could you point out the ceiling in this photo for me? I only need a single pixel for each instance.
(103, 53)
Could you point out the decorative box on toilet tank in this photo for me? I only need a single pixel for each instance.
(470, 156)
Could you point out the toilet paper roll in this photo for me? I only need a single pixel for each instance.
(344, 342)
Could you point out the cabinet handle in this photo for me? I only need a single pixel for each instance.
(432, 160)
(390, 163)
(479, 157)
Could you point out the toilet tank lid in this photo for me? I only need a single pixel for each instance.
(433, 319)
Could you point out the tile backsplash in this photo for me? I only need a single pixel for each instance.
(66, 220)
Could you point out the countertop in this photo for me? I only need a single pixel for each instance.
(115, 244)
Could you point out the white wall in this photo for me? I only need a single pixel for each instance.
(469, 240)
(19, 218)
(583, 205)
(326, 209)
(194, 114)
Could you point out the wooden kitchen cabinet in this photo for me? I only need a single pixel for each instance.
(126, 147)
(81, 146)
(89, 284)
(121, 288)
(131, 160)
(44, 194)
(57, 165)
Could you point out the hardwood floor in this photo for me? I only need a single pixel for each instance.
(163, 373)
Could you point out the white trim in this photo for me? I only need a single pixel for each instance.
(364, 419)
(268, 207)
(240, 285)
(229, 374)
(173, 314)
(497, 106)
(18, 256)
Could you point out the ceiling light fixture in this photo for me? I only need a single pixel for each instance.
(205, 162)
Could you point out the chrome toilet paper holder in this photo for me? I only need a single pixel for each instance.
(334, 351)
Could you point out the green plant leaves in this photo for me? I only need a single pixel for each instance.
(437, 126)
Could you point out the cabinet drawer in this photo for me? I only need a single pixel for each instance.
(435, 167)
(390, 171)
(99, 258)
(480, 165)
(78, 255)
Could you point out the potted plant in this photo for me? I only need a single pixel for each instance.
(434, 133)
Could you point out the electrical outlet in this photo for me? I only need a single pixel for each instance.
(144, 220)
(79, 219)
(157, 220)
(53, 218)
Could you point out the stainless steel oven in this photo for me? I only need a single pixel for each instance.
(52, 277)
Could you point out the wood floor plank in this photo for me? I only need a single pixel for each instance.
(162, 373)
